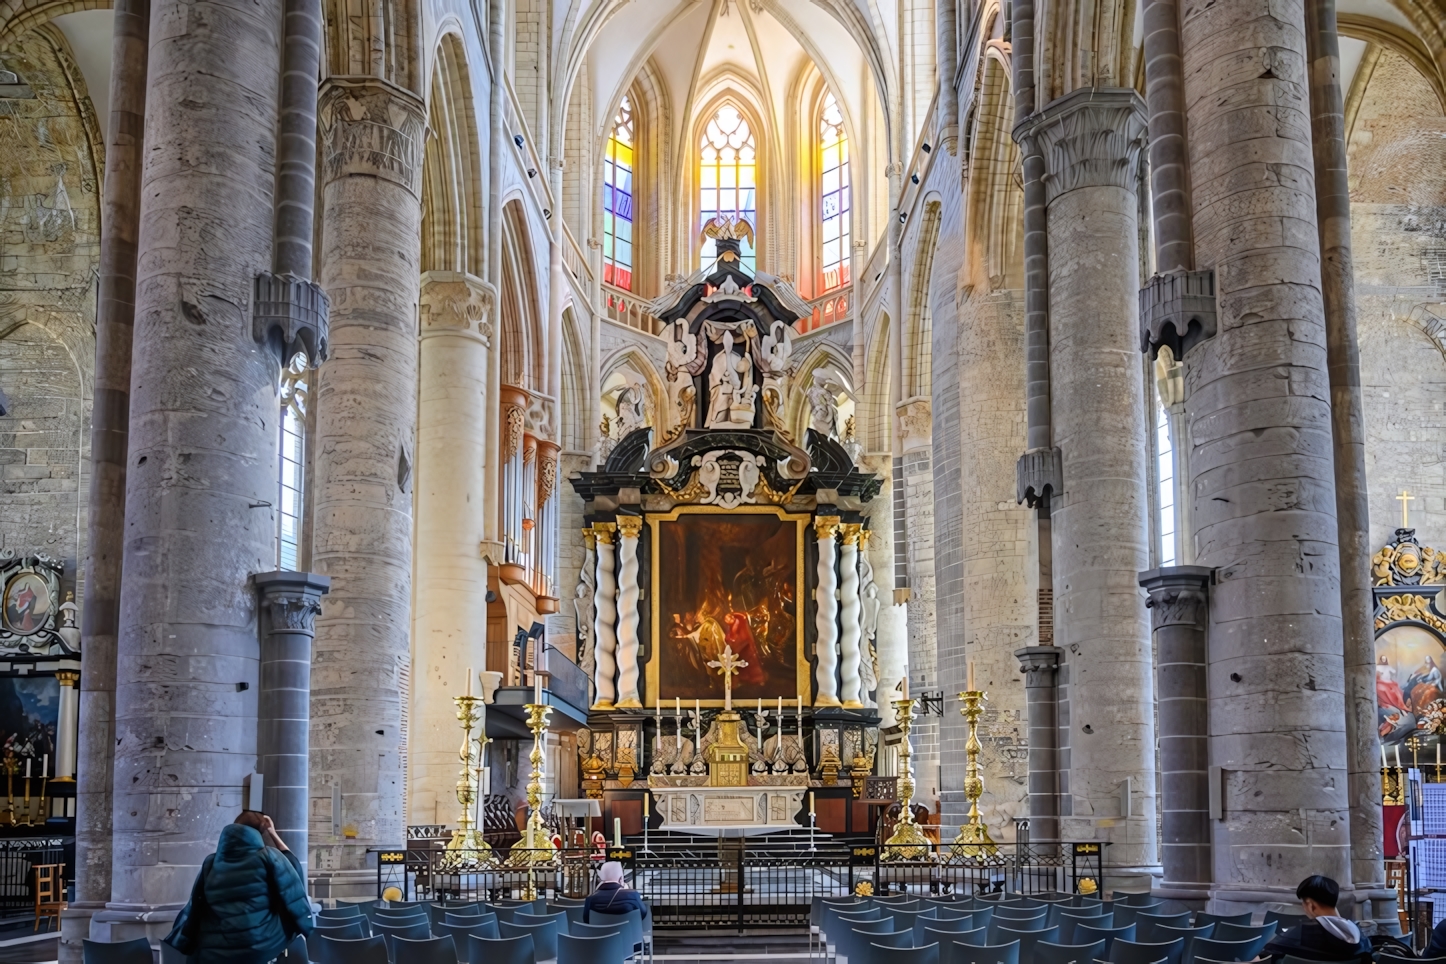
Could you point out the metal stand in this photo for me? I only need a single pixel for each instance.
(973, 840)
(468, 849)
(907, 841)
(535, 847)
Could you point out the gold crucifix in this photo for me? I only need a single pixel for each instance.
(727, 664)
(1405, 498)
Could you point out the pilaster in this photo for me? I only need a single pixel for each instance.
(1040, 666)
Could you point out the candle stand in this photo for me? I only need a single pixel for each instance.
(907, 841)
(468, 849)
(973, 841)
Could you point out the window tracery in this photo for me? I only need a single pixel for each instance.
(835, 208)
(618, 164)
(728, 178)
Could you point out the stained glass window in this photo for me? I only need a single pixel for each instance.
(834, 207)
(291, 450)
(618, 201)
(1165, 455)
(728, 177)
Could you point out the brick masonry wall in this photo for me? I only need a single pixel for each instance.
(49, 243)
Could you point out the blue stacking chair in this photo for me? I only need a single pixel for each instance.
(1135, 900)
(979, 937)
(1213, 950)
(1028, 939)
(544, 936)
(1131, 952)
(956, 953)
(325, 950)
(1085, 933)
(1202, 918)
(1047, 953)
(137, 951)
(432, 950)
(1243, 932)
(508, 950)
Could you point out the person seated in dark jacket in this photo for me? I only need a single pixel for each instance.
(1437, 947)
(611, 896)
(248, 902)
(1327, 936)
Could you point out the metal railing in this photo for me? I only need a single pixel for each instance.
(698, 882)
(18, 860)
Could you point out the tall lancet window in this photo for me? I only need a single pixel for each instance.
(728, 177)
(618, 201)
(834, 206)
(291, 451)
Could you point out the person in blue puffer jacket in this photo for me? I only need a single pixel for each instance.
(248, 902)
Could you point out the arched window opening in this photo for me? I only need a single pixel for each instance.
(728, 178)
(291, 452)
(618, 201)
(834, 206)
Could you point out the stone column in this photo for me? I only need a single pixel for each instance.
(605, 629)
(290, 602)
(201, 470)
(366, 400)
(1091, 142)
(1040, 666)
(110, 424)
(1262, 473)
(825, 673)
(630, 528)
(449, 626)
(1178, 603)
(850, 610)
(68, 720)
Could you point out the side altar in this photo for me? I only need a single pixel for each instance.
(720, 538)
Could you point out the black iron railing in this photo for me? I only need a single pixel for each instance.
(696, 882)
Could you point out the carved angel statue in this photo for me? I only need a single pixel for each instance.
(869, 599)
(776, 354)
(584, 611)
(822, 398)
(683, 364)
(632, 405)
(665, 753)
(682, 757)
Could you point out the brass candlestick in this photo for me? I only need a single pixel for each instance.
(468, 849)
(535, 847)
(973, 840)
(907, 841)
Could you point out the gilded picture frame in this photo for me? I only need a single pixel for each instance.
(695, 610)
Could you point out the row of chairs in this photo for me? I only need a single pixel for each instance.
(474, 933)
(1036, 931)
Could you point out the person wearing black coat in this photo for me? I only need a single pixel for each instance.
(249, 900)
(611, 896)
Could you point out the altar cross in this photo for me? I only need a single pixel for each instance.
(727, 664)
(1405, 498)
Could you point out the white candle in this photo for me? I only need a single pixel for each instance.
(1398, 759)
(905, 684)
(486, 782)
(780, 716)
(1438, 754)
(970, 685)
(646, 812)
(469, 681)
(677, 706)
(760, 706)
(45, 762)
(537, 687)
(810, 803)
(698, 714)
(30, 760)
(1384, 764)
(617, 831)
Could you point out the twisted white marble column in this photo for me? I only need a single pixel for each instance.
(630, 527)
(826, 619)
(849, 612)
(604, 632)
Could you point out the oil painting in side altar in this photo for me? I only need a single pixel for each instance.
(727, 580)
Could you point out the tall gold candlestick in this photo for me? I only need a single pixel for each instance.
(907, 841)
(468, 848)
(973, 840)
(535, 847)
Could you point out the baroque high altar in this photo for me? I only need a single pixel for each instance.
(725, 564)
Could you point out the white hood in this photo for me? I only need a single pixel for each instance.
(1340, 928)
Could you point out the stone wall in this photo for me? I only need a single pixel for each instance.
(50, 152)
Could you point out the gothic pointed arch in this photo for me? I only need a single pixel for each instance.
(726, 168)
(520, 315)
(918, 326)
(452, 223)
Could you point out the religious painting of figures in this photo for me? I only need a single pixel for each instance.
(727, 580)
(29, 717)
(1410, 694)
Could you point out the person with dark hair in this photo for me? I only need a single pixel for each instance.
(249, 900)
(1327, 936)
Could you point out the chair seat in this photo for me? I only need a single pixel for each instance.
(137, 951)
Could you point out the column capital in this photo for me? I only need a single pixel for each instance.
(1178, 594)
(1039, 664)
(826, 526)
(453, 301)
(373, 127)
(916, 423)
(1091, 137)
(292, 599)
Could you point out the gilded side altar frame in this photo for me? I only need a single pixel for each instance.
(803, 669)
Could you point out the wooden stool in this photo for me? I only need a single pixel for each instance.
(49, 893)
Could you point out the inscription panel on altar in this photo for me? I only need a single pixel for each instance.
(728, 810)
(732, 578)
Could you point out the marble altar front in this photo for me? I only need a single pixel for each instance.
(715, 810)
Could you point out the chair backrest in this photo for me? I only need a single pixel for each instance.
(1048, 953)
(945, 925)
(1226, 931)
(1144, 921)
(835, 917)
(895, 899)
(544, 936)
(327, 950)
(956, 953)
(574, 912)
(504, 911)
(1001, 931)
(137, 951)
(1216, 950)
(487, 928)
(438, 912)
(883, 925)
(1133, 952)
(1018, 912)
(1027, 939)
(927, 954)
(507, 950)
(431, 950)
(1135, 900)
(399, 919)
(1088, 933)
(1130, 913)
(560, 918)
(598, 949)
(420, 930)
(340, 912)
(1069, 917)
(1285, 921)
(978, 937)
(350, 930)
(1158, 933)
(1203, 918)
(470, 921)
(560, 902)
(631, 924)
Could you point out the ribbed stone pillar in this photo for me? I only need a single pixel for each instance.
(201, 475)
(450, 623)
(366, 400)
(1091, 142)
(1262, 472)
(1178, 597)
(1040, 666)
(290, 602)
